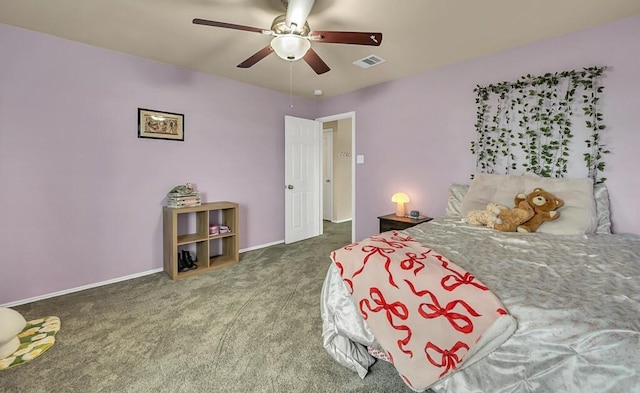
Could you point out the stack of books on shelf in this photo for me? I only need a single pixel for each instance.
(184, 200)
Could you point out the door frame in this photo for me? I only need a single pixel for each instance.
(352, 116)
(327, 156)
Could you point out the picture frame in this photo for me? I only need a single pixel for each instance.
(160, 125)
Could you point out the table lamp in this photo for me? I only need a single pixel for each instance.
(400, 198)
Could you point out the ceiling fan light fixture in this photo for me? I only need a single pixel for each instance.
(290, 47)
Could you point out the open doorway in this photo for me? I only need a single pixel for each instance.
(338, 176)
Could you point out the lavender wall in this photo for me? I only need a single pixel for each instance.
(415, 132)
(83, 196)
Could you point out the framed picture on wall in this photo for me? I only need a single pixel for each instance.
(160, 125)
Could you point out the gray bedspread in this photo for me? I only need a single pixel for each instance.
(576, 300)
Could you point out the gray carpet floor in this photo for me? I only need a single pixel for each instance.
(251, 327)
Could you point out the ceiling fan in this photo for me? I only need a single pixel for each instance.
(292, 36)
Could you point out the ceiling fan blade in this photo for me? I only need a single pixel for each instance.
(346, 37)
(259, 55)
(315, 62)
(229, 26)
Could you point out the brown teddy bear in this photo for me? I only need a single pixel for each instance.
(544, 205)
(500, 217)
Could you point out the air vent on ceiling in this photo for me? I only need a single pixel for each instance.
(369, 61)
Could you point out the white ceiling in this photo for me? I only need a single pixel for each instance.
(418, 35)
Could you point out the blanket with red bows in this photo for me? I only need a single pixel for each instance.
(426, 312)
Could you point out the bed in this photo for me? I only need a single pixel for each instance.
(572, 291)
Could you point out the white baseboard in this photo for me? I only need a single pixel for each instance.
(112, 281)
(341, 221)
(82, 288)
(261, 246)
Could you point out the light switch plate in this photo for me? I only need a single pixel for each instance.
(360, 159)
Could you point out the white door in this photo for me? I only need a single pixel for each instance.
(327, 174)
(302, 179)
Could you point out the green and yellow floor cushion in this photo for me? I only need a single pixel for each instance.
(22, 341)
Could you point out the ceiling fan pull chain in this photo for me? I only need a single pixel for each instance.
(291, 84)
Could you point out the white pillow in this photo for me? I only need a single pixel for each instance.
(454, 199)
(578, 215)
(601, 195)
(487, 188)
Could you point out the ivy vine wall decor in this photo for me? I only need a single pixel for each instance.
(528, 125)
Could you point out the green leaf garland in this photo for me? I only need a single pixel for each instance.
(527, 124)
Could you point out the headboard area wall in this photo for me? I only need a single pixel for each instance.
(550, 125)
(416, 132)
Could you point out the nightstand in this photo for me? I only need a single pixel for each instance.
(392, 222)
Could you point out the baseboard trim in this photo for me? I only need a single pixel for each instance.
(341, 221)
(112, 281)
(81, 288)
(261, 246)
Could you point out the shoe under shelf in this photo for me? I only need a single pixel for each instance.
(214, 263)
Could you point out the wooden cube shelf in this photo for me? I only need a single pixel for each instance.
(179, 235)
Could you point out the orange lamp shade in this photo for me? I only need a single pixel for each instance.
(400, 198)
